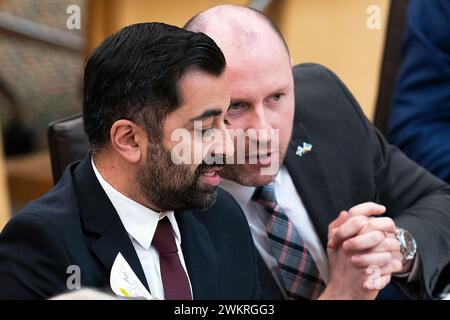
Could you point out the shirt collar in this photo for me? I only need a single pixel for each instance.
(243, 194)
(139, 221)
(279, 178)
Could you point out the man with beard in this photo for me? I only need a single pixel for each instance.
(334, 169)
(127, 196)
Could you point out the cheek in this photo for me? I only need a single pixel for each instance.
(200, 149)
(283, 121)
(240, 122)
(170, 139)
(286, 129)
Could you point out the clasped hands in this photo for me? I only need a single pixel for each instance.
(363, 253)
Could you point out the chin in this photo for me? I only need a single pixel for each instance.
(247, 175)
(206, 200)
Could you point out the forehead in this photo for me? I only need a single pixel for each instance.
(200, 90)
(259, 73)
(260, 63)
(242, 36)
(196, 83)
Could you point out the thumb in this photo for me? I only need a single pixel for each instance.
(333, 228)
(343, 216)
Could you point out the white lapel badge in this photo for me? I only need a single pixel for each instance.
(124, 282)
(307, 147)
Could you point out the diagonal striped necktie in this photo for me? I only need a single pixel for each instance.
(297, 268)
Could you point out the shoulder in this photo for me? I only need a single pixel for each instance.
(52, 214)
(317, 83)
(312, 71)
(33, 257)
(324, 105)
(228, 205)
(225, 214)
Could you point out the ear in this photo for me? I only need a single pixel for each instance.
(128, 140)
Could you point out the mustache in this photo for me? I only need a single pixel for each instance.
(205, 166)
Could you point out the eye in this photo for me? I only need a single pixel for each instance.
(236, 106)
(274, 99)
(202, 131)
(277, 96)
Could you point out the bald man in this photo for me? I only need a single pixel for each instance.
(341, 192)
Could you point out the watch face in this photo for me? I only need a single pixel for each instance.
(407, 244)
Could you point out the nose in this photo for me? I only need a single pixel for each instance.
(258, 119)
(223, 145)
(259, 128)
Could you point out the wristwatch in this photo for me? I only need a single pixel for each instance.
(408, 246)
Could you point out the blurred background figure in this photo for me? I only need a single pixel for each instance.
(420, 111)
(420, 114)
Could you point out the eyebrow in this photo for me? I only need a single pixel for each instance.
(278, 90)
(208, 114)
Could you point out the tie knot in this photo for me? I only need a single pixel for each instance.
(164, 240)
(265, 195)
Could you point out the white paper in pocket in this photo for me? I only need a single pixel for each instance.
(124, 281)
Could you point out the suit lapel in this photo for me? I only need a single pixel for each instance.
(310, 181)
(108, 246)
(199, 255)
(99, 217)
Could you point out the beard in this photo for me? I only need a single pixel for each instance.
(170, 186)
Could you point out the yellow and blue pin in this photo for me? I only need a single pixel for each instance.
(302, 150)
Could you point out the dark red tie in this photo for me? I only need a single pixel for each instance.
(174, 278)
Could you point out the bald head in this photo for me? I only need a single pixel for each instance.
(259, 71)
(234, 25)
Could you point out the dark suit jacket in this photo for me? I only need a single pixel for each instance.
(420, 114)
(76, 224)
(351, 163)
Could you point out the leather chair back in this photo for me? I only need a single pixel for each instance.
(67, 143)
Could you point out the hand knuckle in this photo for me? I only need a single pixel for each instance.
(396, 245)
(379, 235)
(360, 221)
(391, 223)
(351, 243)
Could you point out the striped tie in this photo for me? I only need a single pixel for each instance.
(298, 271)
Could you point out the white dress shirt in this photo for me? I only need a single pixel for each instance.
(140, 223)
(288, 199)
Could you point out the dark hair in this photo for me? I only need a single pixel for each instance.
(134, 74)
